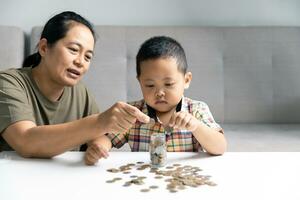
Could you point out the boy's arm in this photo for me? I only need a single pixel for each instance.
(210, 139)
(97, 149)
(207, 132)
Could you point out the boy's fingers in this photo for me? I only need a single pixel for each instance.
(181, 119)
(95, 149)
(89, 160)
(92, 153)
(104, 153)
(172, 120)
(99, 151)
(189, 123)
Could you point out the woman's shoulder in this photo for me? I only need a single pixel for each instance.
(14, 71)
(14, 75)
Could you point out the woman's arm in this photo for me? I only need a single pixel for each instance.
(47, 141)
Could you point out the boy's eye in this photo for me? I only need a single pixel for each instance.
(169, 84)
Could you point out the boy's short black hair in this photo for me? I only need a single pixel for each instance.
(161, 47)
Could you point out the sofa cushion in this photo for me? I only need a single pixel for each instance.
(12, 47)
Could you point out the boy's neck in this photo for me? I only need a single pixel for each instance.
(164, 117)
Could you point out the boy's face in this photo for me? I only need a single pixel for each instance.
(162, 83)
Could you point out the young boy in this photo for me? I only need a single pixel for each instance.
(162, 73)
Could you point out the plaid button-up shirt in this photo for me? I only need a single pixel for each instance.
(138, 137)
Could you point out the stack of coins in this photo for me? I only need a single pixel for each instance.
(158, 149)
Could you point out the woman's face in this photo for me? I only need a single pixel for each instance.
(69, 58)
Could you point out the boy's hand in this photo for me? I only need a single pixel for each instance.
(95, 152)
(184, 120)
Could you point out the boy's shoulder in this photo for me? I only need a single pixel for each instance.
(194, 103)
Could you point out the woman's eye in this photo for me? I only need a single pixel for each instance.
(88, 58)
(73, 49)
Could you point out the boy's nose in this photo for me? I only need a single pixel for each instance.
(160, 93)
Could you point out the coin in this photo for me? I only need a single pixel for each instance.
(137, 181)
(181, 187)
(145, 166)
(113, 170)
(126, 184)
(145, 190)
(210, 183)
(153, 187)
(169, 167)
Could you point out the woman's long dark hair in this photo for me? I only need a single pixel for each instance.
(55, 29)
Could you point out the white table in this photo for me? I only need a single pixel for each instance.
(242, 175)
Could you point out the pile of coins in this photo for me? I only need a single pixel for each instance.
(176, 176)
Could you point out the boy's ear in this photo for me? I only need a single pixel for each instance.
(187, 79)
(42, 46)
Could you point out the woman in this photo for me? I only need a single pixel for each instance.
(44, 108)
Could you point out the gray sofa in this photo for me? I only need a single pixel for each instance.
(247, 75)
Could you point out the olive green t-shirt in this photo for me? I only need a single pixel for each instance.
(21, 99)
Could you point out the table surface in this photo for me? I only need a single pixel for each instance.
(243, 175)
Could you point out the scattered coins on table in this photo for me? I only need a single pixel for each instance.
(176, 176)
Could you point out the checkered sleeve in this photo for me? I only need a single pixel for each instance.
(201, 111)
(118, 140)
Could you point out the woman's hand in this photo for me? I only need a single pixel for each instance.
(120, 118)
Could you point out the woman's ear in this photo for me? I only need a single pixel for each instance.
(42, 46)
(187, 79)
